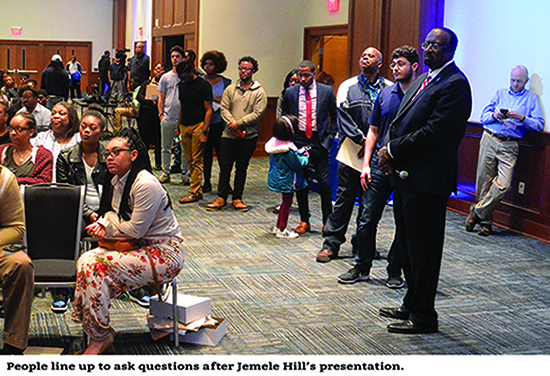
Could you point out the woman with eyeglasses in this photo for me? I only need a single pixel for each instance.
(63, 131)
(139, 239)
(30, 164)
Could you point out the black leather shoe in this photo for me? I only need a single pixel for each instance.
(409, 327)
(11, 350)
(399, 313)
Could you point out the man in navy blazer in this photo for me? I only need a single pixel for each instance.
(422, 156)
(320, 136)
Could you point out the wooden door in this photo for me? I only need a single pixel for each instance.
(327, 48)
(32, 57)
(21, 58)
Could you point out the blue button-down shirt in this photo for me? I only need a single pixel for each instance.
(524, 103)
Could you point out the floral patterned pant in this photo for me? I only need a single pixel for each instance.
(103, 274)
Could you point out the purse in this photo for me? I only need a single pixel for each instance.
(120, 245)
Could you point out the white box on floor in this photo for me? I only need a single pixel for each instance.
(190, 308)
(205, 336)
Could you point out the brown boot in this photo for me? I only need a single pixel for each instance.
(218, 204)
(239, 205)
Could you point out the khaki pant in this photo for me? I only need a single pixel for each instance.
(17, 278)
(495, 169)
(120, 112)
(193, 148)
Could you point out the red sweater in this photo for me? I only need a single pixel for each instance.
(43, 166)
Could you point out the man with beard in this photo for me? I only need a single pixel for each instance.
(376, 184)
(314, 104)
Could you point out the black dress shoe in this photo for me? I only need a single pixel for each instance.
(11, 350)
(409, 327)
(399, 313)
(472, 220)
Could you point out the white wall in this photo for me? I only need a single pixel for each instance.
(496, 35)
(139, 15)
(74, 20)
(269, 30)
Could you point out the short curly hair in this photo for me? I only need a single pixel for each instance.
(251, 60)
(217, 57)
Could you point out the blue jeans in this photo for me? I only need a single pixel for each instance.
(374, 201)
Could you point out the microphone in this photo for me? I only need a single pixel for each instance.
(403, 175)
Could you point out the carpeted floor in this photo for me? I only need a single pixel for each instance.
(493, 297)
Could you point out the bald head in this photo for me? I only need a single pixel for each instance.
(139, 48)
(370, 61)
(518, 78)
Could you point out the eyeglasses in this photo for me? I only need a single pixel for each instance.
(17, 130)
(246, 69)
(433, 45)
(399, 64)
(114, 153)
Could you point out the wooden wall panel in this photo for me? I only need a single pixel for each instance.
(365, 29)
(387, 24)
(265, 127)
(527, 213)
(119, 24)
(191, 12)
(175, 17)
(32, 57)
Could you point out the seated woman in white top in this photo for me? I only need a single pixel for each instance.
(63, 132)
(134, 205)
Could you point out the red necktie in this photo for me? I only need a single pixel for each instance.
(309, 117)
(424, 84)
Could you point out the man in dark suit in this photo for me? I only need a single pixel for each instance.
(314, 105)
(421, 156)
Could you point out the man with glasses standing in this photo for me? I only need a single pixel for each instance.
(506, 119)
(358, 98)
(243, 105)
(376, 184)
(314, 105)
(421, 156)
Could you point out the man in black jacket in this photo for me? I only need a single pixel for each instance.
(423, 145)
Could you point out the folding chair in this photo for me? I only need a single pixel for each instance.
(53, 222)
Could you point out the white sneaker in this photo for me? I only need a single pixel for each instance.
(286, 234)
(274, 230)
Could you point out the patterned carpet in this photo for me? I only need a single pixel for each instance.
(493, 297)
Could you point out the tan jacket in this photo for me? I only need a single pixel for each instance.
(246, 107)
(12, 215)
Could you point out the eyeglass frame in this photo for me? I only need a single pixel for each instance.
(115, 153)
(435, 46)
(399, 64)
(18, 130)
